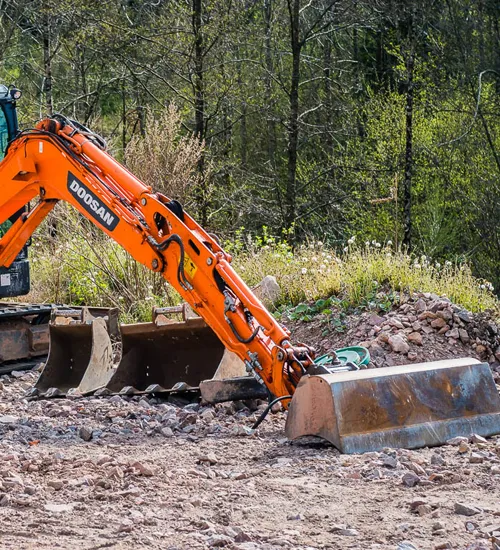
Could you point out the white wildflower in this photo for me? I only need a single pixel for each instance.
(377, 245)
(322, 266)
(346, 249)
(304, 271)
(417, 266)
(482, 287)
(447, 263)
(367, 243)
(314, 259)
(438, 265)
(328, 258)
(389, 243)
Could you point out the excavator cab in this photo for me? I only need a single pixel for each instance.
(14, 280)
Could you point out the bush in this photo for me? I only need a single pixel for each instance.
(313, 271)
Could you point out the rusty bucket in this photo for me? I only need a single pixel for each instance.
(80, 351)
(156, 358)
(408, 406)
(94, 355)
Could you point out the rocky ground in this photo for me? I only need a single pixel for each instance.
(122, 473)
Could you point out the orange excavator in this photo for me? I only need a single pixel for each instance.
(60, 159)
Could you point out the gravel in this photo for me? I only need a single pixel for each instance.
(125, 472)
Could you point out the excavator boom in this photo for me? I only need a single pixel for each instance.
(61, 160)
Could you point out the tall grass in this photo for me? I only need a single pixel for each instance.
(313, 271)
(91, 269)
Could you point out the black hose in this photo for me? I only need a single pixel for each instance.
(240, 338)
(267, 409)
(181, 276)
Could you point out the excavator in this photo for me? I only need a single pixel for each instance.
(356, 409)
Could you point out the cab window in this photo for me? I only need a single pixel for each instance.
(4, 133)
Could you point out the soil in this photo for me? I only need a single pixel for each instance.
(126, 473)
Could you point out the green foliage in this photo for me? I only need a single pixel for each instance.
(113, 62)
(87, 268)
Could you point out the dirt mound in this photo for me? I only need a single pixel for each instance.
(422, 327)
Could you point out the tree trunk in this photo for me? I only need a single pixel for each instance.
(407, 215)
(327, 72)
(293, 122)
(271, 123)
(243, 123)
(199, 104)
(47, 67)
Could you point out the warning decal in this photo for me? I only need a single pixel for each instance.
(189, 266)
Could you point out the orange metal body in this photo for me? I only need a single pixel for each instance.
(56, 161)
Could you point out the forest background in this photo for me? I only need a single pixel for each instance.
(307, 121)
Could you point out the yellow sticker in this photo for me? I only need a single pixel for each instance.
(189, 266)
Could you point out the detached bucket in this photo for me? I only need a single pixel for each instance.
(408, 406)
(80, 352)
(157, 358)
(162, 356)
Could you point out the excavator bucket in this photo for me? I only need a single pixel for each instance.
(163, 356)
(157, 358)
(80, 351)
(407, 406)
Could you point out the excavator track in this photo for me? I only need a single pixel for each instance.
(24, 334)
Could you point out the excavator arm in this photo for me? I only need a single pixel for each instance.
(62, 160)
(357, 410)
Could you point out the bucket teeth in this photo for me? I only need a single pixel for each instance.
(128, 390)
(31, 393)
(53, 392)
(102, 392)
(155, 388)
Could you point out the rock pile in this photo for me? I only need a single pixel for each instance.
(114, 418)
(426, 327)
